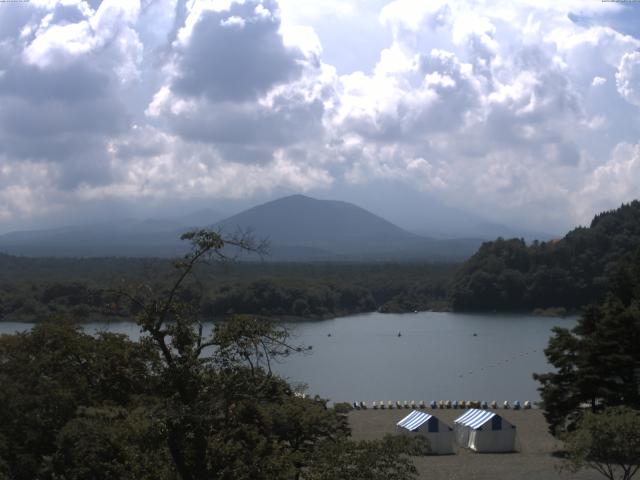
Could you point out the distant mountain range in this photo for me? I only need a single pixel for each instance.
(298, 227)
(426, 215)
(128, 238)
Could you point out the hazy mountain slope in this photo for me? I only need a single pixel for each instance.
(298, 227)
(337, 230)
(424, 214)
(150, 237)
(340, 227)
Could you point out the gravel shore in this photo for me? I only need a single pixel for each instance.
(533, 459)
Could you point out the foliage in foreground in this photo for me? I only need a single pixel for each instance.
(598, 361)
(367, 460)
(608, 442)
(176, 405)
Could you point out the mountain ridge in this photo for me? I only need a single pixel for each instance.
(300, 228)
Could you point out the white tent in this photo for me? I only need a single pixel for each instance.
(484, 431)
(440, 435)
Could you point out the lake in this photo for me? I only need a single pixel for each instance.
(437, 356)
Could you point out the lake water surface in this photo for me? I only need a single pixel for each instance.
(436, 357)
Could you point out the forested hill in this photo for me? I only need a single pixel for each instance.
(509, 275)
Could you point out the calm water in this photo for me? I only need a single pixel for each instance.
(436, 357)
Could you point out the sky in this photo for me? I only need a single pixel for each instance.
(524, 113)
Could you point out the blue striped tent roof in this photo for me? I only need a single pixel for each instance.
(414, 420)
(475, 418)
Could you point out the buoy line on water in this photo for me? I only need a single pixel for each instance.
(500, 363)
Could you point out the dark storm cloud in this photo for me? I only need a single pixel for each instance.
(227, 123)
(236, 61)
(24, 118)
(58, 114)
(64, 113)
(75, 83)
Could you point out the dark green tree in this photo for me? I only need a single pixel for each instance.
(386, 459)
(598, 361)
(177, 405)
(569, 272)
(608, 442)
(224, 413)
(47, 374)
(105, 443)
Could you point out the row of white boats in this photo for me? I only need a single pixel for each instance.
(442, 404)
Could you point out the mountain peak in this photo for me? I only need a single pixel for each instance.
(337, 227)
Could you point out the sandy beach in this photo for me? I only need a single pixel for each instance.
(533, 459)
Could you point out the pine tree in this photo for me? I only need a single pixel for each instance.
(597, 362)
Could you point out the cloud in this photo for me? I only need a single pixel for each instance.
(150, 164)
(66, 34)
(477, 121)
(612, 183)
(238, 89)
(504, 109)
(233, 55)
(60, 96)
(628, 77)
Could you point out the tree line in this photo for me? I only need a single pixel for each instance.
(273, 290)
(570, 272)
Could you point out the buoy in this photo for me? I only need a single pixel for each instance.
(399, 334)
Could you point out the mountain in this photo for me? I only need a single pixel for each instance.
(569, 272)
(423, 214)
(145, 238)
(299, 228)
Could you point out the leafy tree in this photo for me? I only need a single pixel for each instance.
(608, 442)
(597, 362)
(47, 373)
(570, 272)
(224, 413)
(385, 459)
(111, 442)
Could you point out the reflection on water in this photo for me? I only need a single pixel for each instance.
(436, 356)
